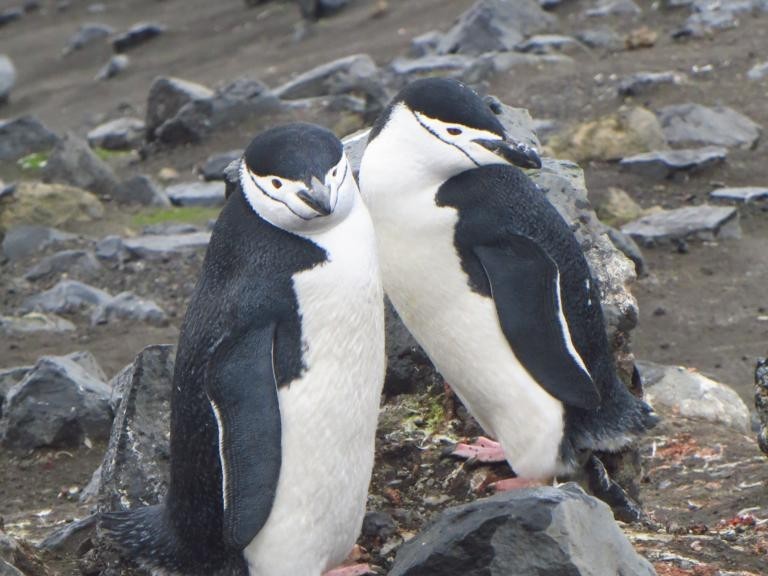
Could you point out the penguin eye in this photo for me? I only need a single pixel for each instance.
(276, 183)
(335, 170)
(454, 131)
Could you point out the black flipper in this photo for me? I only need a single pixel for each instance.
(524, 283)
(240, 384)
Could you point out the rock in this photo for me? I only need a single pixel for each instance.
(111, 248)
(453, 65)
(36, 203)
(316, 9)
(617, 207)
(153, 247)
(73, 162)
(409, 369)
(137, 35)
(666, 163)
(196, 194)
(117, 64)
(761, 402)
(702, 222)
(118, 134)
(425, 44)
(88, 34)
(527, 532)
(128, 306)
(642, 37)
(69, 262)
(494, 26)
(9, 377)
(58, 403)
(643, 82)
(758, 71)
(66, 297)
(614, 8)
(141, 189)
(745, 194)
(548, 43)
(709, 16)
(22, 136)
(627, 132)
(169, 228)
(378, 525)
(167, 96)
(23, 241)
(134, 471)
(10, 15)
(517, 122)
(629, 248)
(34, 322)
(7, 77)
(693, 395)
(17, 555)
(214, 166)
(693, 124)
(601, 38)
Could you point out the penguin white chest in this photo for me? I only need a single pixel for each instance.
(329, 414)
(460, 331)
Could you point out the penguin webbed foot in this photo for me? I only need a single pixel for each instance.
(515, 483)
(351, 570)
(483, 450)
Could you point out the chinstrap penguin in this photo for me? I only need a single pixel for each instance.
(491, 281)
(278, 376)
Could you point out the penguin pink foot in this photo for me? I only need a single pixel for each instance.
(352, 570)
(481, 450)
(514, 484)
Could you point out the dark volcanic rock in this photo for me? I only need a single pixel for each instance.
(629, 248)
(665, 163)
(136, 36)
(87, 34)
(118, 134)
(23, 241)
(642, 82)
(316, 9)
(494, 26)
(73, 162)
(704, 222)
(24, 135)
(7, 77)
(115, 66)
(693, 124)
(141, 190)
(761, 402)
(58, 403)
(409, 370)
(548, 43)
(167, 96)
(214, 166)
(10, 15)
(71, 262)
(425, 44)
(544, 531)
(134, 471)
(196, 194)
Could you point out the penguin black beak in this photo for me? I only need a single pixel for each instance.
(318, 197)
(515, 153)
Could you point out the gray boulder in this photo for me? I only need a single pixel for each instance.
(128, 306)
(8, 379)
(169, 229)
(710, 16)
(214, 166)
(24, 135)
(111, 248)
(196, 193)
(118, 134)
(614, 8)
(73, 162)
(692, 124)
(603, 38)
(142, 190)
(701, 222)
(60, 402)
(316, 9)
(643, 82)
(425, 44)
(761, 402)
(162, 246)
(543, 531)
(23, 241)
(10, 15)
(88, 34)
(758, 71)
(66, 297)
(744, 194)
(167, 96)
(137, 35)
(116, 65)
(71, 262)
(34, 322)
(494, 26)
(7, 77)
(666, 163)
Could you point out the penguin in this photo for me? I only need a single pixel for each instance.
(492, 283)
(278, 377)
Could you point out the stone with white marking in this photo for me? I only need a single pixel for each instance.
(119, 134)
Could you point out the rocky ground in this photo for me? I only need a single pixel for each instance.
(701, 293)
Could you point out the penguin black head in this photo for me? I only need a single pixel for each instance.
(297, 178)
(445, 126)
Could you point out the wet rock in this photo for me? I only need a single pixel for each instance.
(10, 15)
(7, 77)
(761, 402)
(23, 241)
(58, 403)
(702, 222)
(614, 8)
(601, 38)
(66, 297)
(24, 135)
(743, 194)
(128, 306)
(141, 189)
(36, 203)
(644, 82)
(196, 194)
(548, 43)
(88, 34)
(666, 163)
(624, 133)
(758, 71)
(316, 9)
(425, 44)
(134, 471)
(214, 166)
(70, 262)
(73, 162)
(494, 26)
(167, 96)
(34, 322)
(616, 207)
(137, 35)
(117, 64)
(119, 134)
(152, 247)
(693, 395)
(540, 531)
(693, 124)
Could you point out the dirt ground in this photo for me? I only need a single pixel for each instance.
(705, 487)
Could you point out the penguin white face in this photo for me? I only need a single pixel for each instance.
(297, 178)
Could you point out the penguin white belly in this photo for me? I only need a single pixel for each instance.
(328, 415)
(460, 331)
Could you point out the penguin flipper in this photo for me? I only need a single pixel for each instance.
(525, 287)
(241, 387)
